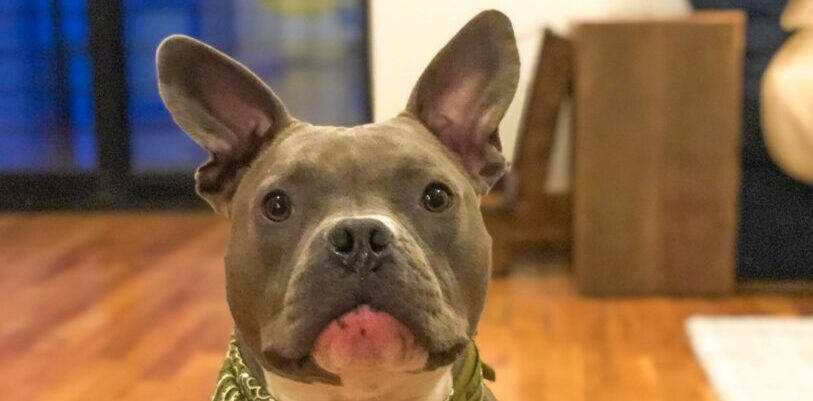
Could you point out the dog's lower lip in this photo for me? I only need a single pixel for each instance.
(367, 338)
(362, 307)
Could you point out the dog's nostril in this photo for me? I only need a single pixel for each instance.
(342, 240)
(379, 240)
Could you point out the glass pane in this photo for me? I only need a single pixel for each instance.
(311, 53)
(46, 102)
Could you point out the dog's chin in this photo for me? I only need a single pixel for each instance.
(365, 339)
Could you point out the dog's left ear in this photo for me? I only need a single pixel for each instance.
(466, 89)
(222, 106)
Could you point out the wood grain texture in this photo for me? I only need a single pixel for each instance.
(132, 307)
(657, 150)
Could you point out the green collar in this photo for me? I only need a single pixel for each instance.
(235, 383)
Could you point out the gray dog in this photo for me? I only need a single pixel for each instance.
(358, 262)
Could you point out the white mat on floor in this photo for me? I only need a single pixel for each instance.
(755, 358)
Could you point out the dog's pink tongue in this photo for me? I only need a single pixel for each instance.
(365, 338)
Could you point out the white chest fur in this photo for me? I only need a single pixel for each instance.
(366, 386)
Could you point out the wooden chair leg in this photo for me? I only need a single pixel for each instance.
(501, 254)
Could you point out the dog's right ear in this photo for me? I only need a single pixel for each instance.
(465, 91)
(222, 106)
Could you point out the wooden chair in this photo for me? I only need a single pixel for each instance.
(519, 211)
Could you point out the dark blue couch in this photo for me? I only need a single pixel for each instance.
(776, 212)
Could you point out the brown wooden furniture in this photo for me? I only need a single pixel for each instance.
(657, 154)
(520, 211)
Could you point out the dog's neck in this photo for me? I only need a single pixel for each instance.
(366, 386)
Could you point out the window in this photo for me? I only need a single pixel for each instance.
(82, 125)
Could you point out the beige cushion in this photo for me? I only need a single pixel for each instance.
(798, 14)
(787, 104)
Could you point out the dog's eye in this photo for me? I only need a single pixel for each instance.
(277, 206)
(436, 197)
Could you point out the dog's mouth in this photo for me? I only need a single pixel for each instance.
(364, 339)
(338, 322)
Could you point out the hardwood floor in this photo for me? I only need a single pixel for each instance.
(132, 307)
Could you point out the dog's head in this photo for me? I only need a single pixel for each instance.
(375, 226)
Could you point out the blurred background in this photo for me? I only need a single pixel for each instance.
(81, 113)
(653, 240)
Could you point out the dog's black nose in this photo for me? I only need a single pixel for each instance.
(360, 244)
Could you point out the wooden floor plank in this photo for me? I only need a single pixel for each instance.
(132, 307)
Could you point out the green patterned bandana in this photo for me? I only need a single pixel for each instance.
(235, 383)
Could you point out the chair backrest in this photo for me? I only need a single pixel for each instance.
(551, 85)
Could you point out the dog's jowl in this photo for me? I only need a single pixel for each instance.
(358, 261)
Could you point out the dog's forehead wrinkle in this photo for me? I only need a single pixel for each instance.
(362, 155)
